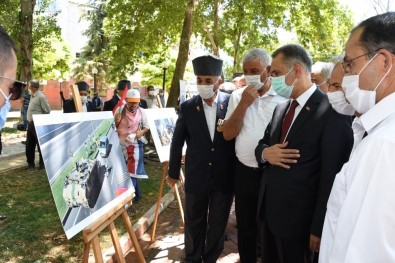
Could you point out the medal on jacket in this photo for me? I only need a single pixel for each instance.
(220, 122)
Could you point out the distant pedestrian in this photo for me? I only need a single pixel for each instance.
(38, 105)
(97, 102)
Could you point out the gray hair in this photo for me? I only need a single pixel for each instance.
(227, 87)
(324, 67)
(257, 53)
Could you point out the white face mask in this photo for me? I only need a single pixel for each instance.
(151, 93)
(206, 91)
(5, 109)
(255, 81)
(84, 99)
(361, 100)
(339, 103)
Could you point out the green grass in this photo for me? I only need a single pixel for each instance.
(33, 230)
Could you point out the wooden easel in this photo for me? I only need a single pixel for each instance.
(91, 233)
(162, 183)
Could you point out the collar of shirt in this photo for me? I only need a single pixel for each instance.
(214, 102)
(378, 113)
(35, 94)
(268, 93)
(302, 99)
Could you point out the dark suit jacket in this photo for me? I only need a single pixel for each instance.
(110, 104)
(209, 165)
(296, 198)
(69, 106)
(143, 104)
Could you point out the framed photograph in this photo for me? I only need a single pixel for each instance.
(162, 122)
(85, 166)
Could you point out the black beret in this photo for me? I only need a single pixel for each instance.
(122, 84)
(82, 86)
(35, 83)
(207, 65)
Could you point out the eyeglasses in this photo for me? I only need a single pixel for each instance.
(16, 88)
(346, 64)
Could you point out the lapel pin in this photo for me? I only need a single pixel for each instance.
(221, 106)
(198, 108)
(307, 108)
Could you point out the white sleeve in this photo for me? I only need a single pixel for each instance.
(145, 121)
(233, 101)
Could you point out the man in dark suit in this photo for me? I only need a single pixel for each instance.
(122, 85)
(87, 106)
(304, 146)
(209, 164)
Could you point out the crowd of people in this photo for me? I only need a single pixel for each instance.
(304, 149)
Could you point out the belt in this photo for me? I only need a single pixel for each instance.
(251, 169)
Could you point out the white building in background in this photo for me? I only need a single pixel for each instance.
(70, 22)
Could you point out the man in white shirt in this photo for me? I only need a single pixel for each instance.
(250, 110)
(359, 223)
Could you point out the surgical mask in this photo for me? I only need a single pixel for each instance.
(84, 99)
(255, 81)
(361, 100)
(340, 104)
(151, 93)
(280, 87)
(4, 110)
(206, 91)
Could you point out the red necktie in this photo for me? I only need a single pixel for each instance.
(288, 120)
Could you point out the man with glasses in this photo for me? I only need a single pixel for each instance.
(304, 146)
(359, 222)
(9, 88)
(38, 105)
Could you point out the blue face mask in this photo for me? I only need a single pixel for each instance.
(280, 87)
(4, 110)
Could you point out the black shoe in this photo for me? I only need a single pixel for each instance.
(23, 142)
(41, 167)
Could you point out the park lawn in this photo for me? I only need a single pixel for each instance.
(33, 231)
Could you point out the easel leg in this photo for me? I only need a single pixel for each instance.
(133, 238)
(179, 203)
(97, 249)
(115, 241)
(162, 183)
(87, 247)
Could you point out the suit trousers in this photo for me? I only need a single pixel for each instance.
(247, 184)
(206, 217)
(281, 250)
(31, 143)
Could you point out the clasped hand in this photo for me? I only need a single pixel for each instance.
(279, 155)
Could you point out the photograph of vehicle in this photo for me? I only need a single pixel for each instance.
(84, 164)
(162, 122)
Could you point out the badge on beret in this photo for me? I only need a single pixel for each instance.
(220, 122)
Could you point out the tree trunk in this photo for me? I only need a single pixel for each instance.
(215, 47)
(236, 53)
(182, 58)
(26, 39)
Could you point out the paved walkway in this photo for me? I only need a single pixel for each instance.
(169, 244)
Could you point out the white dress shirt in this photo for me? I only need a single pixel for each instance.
(360, 220)
(211, 115)
(257, 117)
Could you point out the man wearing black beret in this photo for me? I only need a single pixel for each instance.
(123, 86)
(209, 163)
(87, 106)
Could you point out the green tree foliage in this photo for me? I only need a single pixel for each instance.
(141, 34)
(138, 30)
(92, 55)
(44, 36)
